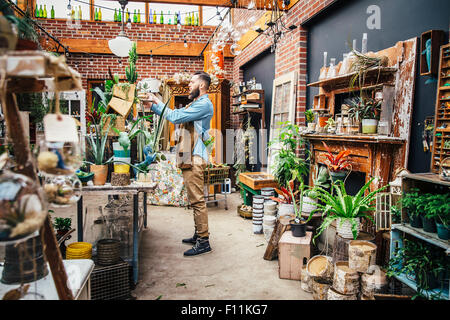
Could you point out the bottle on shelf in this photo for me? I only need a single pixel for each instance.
(45, 11)
(155, 18)
(75, 13)
(186, 20)
(179, 17)
(127, 16)
(115, 15)
(134, 16)
(189, 19)
(150, 16)
(170, 18)
(96, 15)
(139, 16)
(36, 13)
(52, 13)
(197, 22)
(72, 13)
(119, 16)
(100, 14)
(161, 19)
(175, 18)
(80, 14)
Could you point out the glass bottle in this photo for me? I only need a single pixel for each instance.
(96, 15)
(115, 15)
(332, 69)
(189, 20)
(36, 13)
(186, 20)
(170, 18)
(80, 14)
(139, 16)
(197, 22)
(76, 14)
(127, 16)
(155, 18)
(72, 13)
(179, 17)
(161, 18)
(100, 14)
(193, 19)
(150, 16)
(119, 16)
(134, 16)
(52, 12)
(175, 18)
(45, 11)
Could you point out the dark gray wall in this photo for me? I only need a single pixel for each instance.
(400, 20)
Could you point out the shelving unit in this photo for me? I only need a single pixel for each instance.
(246, 111)
(430, 183)
(442, 114)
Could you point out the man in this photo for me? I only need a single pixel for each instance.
(192, 155)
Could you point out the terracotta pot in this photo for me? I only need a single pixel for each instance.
(100, 174)
(323, 121)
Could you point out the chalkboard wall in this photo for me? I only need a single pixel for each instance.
(400, 20)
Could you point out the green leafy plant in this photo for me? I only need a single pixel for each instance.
(24, 24)
(130, 71)
(287, 166)
(344, 206)
(418, 261)
(126, 137)
(409, 202)
(309, 115)
(437, 207)
(321, 181)
(364, 108)
(62, 224)
(97, 143)
(298, 206)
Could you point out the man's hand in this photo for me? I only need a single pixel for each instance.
(149, 99)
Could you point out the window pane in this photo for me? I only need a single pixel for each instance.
(210, 17)
(60, 7)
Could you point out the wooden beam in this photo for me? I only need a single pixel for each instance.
(251, 35)
(143, 47)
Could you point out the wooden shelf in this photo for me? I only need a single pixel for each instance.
(246, 92)
(349, 137)
(345, 79)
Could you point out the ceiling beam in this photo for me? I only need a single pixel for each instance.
(221, 3)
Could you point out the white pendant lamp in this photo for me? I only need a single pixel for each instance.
(121, 45)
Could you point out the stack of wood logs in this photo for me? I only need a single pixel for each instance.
(357, 278)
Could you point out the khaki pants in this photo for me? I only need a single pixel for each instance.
(193, 180)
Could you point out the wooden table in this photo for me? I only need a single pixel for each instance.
(133, 189)
(249, 183)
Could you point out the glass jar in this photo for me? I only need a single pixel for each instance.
(62, 191)
(58, 158)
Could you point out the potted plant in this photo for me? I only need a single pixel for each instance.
(286, 206)
(311, 194)
(298, 224)
(287, 166)
(421, 263)
(437, 209)
(347, 210)
(310, 117)
(409, 203)
(97, 144)
(337, 164)
(330, 126)
(365, 111)
(62, 227)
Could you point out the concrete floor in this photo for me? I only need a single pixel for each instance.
(235, 269)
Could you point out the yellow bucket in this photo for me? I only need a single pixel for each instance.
(79, 250)
(121, 168)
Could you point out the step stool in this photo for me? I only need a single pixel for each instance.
(293, 253)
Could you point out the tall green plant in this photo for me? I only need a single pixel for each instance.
(345, 207)
(97, 143)
(287, 166)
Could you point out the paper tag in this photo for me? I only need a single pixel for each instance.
(60, 127)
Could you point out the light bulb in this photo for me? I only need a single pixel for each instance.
(179, 26)
(151, 59)
(185, 43)
(129, 24)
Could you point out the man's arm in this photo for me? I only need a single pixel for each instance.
(196, 111)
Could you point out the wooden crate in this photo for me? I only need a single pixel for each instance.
(258, 180)
(293, 253)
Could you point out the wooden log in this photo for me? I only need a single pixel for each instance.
(361, 255)
(272, 247)
(120, 179)
(320, 267)
(306, 281)
(340, 248)
(334, 295)
(345, 280)
(373, 283)
(320, 289)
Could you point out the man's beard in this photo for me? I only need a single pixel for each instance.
(194, 93)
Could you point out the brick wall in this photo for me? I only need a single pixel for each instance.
(96, 66)
(289, 57)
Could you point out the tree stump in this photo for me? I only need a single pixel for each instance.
(345, 280)
(306, 281)
(340, 248)
(320, 289)
(120, 179)
(361, 255)
(320, 267)
(374, 282)
(334, 295)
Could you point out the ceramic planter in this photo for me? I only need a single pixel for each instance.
(335, 176)
(285, 209)
(443, 231)
(308, 207)
(100, 174)
(345, 230)
(298, 229)
(415, 221)
(369, 126)
(428, 225)
(311, 126)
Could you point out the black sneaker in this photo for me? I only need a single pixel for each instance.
(201, 246)
(192, 240)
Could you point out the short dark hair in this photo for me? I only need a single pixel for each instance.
(204, 77)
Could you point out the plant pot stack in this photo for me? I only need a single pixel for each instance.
(356, 279)
(258, 214)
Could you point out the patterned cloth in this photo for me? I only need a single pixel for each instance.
(170, 188)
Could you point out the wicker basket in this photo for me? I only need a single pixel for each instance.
(119, 124)
(216, 175)
(244, 214)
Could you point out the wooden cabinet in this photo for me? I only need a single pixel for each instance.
(219, 94)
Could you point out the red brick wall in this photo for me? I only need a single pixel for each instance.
(289, 57)
(96, 67)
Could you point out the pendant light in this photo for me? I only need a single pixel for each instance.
(121, 45)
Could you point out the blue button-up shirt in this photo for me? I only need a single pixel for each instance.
(201, 112)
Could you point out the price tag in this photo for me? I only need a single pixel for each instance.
(60, 128)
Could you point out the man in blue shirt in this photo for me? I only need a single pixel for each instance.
(192, 155)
